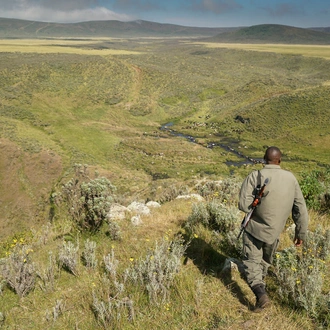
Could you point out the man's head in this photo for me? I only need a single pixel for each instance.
(273, 155)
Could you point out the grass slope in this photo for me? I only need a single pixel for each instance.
(106, 110)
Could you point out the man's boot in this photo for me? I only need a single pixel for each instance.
(263, 300)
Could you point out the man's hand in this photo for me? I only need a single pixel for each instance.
(298, 242)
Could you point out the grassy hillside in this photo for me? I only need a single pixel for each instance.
(273, 33)
(102, 103)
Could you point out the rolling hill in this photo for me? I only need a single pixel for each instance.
(273, 33)
(15, 28)
(266, 33)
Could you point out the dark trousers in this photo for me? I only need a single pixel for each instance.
(257, 257)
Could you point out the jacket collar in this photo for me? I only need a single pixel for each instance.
(272, 166)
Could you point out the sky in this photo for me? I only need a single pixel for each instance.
(203, 13)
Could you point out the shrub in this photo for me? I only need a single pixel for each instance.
(111, 264)
(222, 219)
(110, 301)
(89, 254)
(114, 231)
(226, 191)
(214, 215)
(300, 276)
(88, 202)
(49, 275)
(171, 192)
(55, 312)
(315, 186)
(68, 257)
(311, 189)
(18, 270)
(157, 270)
(109, 312)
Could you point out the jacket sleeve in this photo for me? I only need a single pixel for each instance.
(246, 196)
(300, 214)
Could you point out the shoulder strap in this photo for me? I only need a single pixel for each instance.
(259, 179)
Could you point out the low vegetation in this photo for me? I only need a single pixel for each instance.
(67, 263)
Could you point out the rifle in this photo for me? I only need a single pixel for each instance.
(254, 204)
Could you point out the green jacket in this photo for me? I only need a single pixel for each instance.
(282, 197)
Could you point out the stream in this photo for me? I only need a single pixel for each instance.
(224, 143)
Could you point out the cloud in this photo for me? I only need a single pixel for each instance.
(50, 4)
(62, 11)
(284, 9)
(137, 5)
(215, 6)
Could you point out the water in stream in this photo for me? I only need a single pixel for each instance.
(246, 160)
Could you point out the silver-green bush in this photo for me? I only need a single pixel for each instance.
(18, 270)
(157, 270)
(69, 256)
(300, 276)
(88, 200)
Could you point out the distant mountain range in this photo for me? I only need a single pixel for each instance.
(266, 33)
(15, 28)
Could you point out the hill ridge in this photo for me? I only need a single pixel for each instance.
(15, 28)
(274, 33)
(263, 33)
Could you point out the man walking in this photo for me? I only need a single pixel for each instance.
(282, 197)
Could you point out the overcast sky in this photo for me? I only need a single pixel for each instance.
(206, 13)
